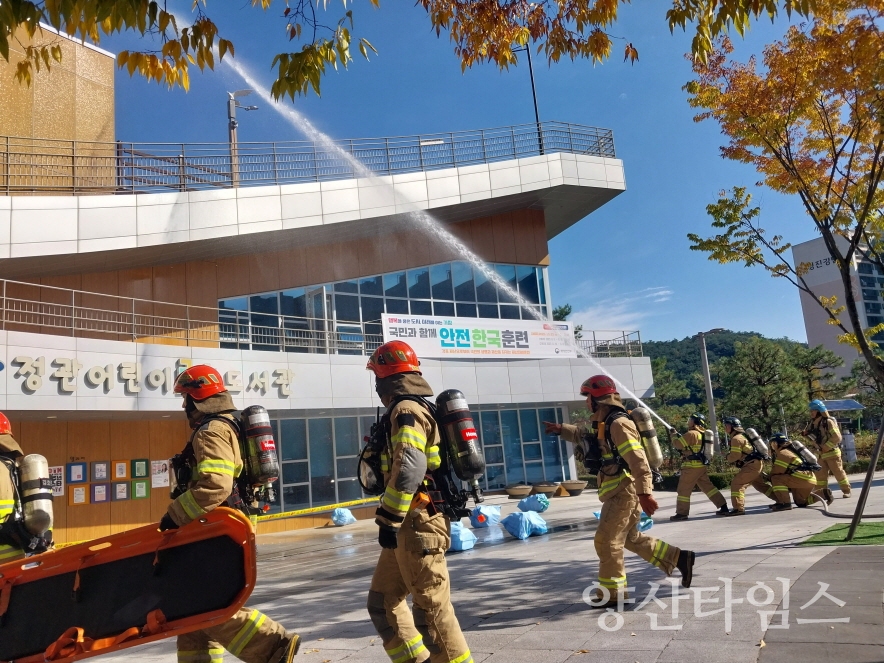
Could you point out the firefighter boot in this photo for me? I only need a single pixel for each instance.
(723, 511)
(286, 653)
(678, 516)
(685, 564)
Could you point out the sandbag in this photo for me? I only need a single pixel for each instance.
(524, 524)
(461, 538)
(485, 515)
(538, 503)
(341, 517)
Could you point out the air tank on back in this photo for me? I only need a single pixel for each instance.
(36, 494)
(805, 453)
(259, 455)
(708, 446)
(757, 443)
(645, 425)
(459, 436)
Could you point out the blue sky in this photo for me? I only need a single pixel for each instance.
(628, 265)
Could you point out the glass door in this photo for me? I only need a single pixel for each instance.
(317, 318)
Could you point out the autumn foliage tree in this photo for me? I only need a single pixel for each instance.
(481, 30)
(810, 119)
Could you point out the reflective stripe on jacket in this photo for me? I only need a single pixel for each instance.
(217, 462)
(689, 443)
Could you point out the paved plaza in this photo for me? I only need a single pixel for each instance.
(522, 601)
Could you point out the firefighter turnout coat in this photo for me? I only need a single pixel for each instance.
(249, 635)
(750, 470)
(828, 438)
(619, 487)
(693, 473)
(417, 566)
(9, 449)
(786, 476)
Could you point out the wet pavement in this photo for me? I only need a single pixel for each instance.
(523, 600)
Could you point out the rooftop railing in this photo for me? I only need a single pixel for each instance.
(38, 166)
(47, 309)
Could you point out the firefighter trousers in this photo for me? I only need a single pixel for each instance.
(249, 635)
(695, 476)
(749, 475)
(430, 632)
(616, 531)
(799, 487)
(830, 461)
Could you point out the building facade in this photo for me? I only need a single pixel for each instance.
(824, 279)
(286, 283)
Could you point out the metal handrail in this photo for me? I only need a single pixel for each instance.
(49, 309)
(30, 165)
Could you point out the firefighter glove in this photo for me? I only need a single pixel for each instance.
(649, 504)
(167, 523)
(387, 537)
(554, 428)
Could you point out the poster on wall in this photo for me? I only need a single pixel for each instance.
(159, 474)
(140, 467)
(56, 476)
(78, 495)
(481, 337)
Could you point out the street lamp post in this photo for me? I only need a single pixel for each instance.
(710, 400)
(533, 96)
(232, 124)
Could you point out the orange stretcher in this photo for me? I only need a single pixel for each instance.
(126, 589)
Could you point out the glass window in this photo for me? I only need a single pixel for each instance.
(508, 274)
(296, 497)
(462, 275)
(874, 321)
(394, 285)
(552, 459)
(294, 439)
(347, 286)
(531, 452)
(237, 304)
(372, 285)
(397, 306)
(264, 303)
(493, 455)
(419, 283)
(347, 467)
(322, 469)
(420, 307)
(347, 308)
(508, 312)
(295, 473)
(443, 308)
(512, 445)
(440, 278)
(527, 278)
(868, 281)
(873, 308)
(349, 489)
(293, 303)
(488, 311)
(346, 437)
(490, 428)
(485, 289)
(865, 268)
(495, 477)
(870, 294)
(466, 310)
(534, 472)
(372, 311)
(541, 284)
(530, 430)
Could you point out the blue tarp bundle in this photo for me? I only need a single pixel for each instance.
(523, 525)
(485, 515)
(461, 537)
(538, 503)
(341, 517)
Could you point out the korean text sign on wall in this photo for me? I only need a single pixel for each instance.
(481, 337)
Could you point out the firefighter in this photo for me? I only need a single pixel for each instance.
(625, 487)
(750, 461)
(693, 469)
(824, 431)
(214, 461)
(790, 474)
(412, 532)
(10, 452)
